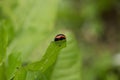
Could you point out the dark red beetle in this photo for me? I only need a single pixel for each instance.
(59, 37)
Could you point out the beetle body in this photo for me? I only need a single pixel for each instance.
(60, 37)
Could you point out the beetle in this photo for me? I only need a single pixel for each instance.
(59, 37)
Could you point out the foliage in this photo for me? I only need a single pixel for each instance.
(28, 50)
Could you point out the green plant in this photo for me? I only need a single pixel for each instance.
(27, 28)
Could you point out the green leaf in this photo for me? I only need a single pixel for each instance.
(68, 65)
(2, 72)
(35, 75)
(10, 30)
(31, 13)
(12, 64)
(49, 58)
(3, 41)
(20, 74)
(33, 26)
(35, 70)
(3, 47)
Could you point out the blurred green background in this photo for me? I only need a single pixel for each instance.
(92, 29)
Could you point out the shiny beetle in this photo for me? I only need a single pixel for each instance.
(60, 37)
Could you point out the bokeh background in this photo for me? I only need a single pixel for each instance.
(92, 28)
